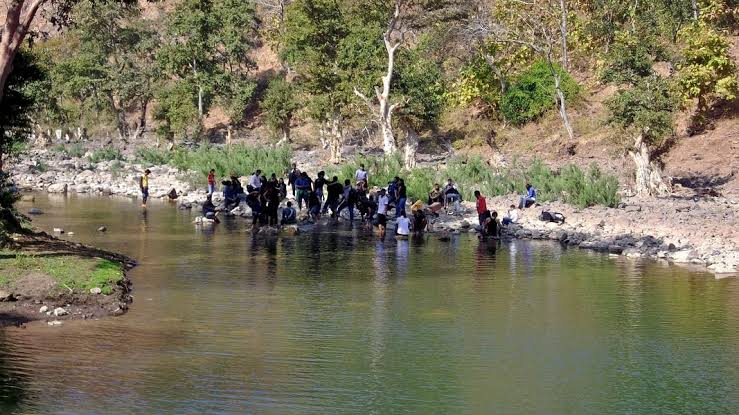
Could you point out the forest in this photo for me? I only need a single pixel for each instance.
(398, 73)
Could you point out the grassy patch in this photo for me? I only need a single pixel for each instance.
(69, 271)
(571, 184)
(70, 150)
(153, 156)
(236, 159)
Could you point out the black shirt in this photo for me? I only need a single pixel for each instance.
(318, 184)
(401, 191)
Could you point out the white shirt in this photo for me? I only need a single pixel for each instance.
(404, 225)
(513, 215)
(382, 203)
(361, 175)
(255, 181)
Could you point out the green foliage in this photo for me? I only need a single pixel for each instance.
(418, 82)
(105, 154)
(628, 60)
(236, 159)
(10, 218)
(237, 94)
(570, 184)
(708, 72)
(477, 82)
(22, 96)
(153, 156)
(70, 150)
(279, 104)
(533, 93)
(177, 112)
(646, 108)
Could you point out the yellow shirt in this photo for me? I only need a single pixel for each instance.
(144, 181)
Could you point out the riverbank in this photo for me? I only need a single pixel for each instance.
(700, 231)
(49, 279)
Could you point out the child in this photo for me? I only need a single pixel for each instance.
(211, 181)
(144, 185)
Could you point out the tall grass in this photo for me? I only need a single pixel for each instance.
(236, 159)
(105, 154)
(70, 150)
(571, 184)
(153, 156)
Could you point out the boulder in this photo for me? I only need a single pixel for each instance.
(60, 312)
(43, 309)
(615, 249)
(465, 224)
(102, 229)
(82, 188)
(35, 211)
(6, 296)
(683, 256)
(58, 230)
(57, 188)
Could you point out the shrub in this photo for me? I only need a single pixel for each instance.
(70, 150)
(153, 156)
(105, 154)
(570, 184)
(237, 159)
(533, 93)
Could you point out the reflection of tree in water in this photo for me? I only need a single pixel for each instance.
(13, 383)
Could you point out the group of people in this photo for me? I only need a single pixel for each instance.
(264, 195)
(490, 224)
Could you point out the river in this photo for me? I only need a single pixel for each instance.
(339, 322)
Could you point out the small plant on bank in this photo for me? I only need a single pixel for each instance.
(153, 156)
(236, 159)
(70, 150)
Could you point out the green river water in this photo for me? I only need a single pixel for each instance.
(339, 322)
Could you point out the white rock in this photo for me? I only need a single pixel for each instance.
(57, 188)
(96, 290)
(43, 309)
(58, 230)
(60, 312)
(55, 323)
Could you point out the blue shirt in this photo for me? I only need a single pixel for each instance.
(531, 193)
(302, 183)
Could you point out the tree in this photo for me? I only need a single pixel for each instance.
(385, 110)
(279, 105)
(112, 68)
(18, 19)
(540, 26)
(646, 112)
(237, 93)
(205, 42)
(314, 31)
(708, 72)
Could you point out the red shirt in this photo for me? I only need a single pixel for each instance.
(482, 205)
(211, 178)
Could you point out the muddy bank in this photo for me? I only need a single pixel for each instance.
(36, 295)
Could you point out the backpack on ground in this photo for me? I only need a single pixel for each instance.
(555, 217)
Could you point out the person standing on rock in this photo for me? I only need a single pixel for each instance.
(255, 182)
(144, 186)
(382, 202)
(293, 176)
(211, 181)
(481, 206)
(318, 185)
(362, 176)
(334, 191)
(401, 197)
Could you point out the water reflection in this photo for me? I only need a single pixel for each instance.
(342, 322)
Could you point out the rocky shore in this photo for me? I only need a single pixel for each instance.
(699, 231)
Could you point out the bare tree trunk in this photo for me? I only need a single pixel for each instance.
(561, 103)
(141, 124)
(490, 59)
(12, 35)
(694, 5)
(336, 138)
(229, 135)
(563, 30)
(649, 180)
(385, 111)
(411, 147)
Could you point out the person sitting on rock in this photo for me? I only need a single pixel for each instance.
(511, 216)
(529, 199)
(436, 195)
(289, 215)
(209, 209)
(451, 194)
